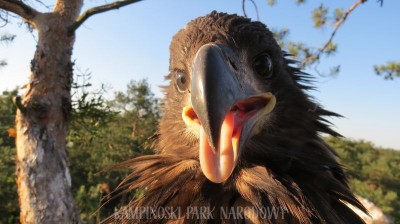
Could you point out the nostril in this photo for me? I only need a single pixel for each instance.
(232, 63)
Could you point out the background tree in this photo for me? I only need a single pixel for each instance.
(44, 111)
(8, 193)
(374, 173)
(390, 71)
(323, 17)
(102, 137)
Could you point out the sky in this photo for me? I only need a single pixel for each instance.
(132, 43)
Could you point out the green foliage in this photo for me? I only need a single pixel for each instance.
(90, 111)
(305, 54)
(374, 173)
(338, 14)
(311, 56)
(280, 35)
(299, 50)
(272, 2)
(331, 48)
(139, 110)
(119, 130)
(319, 16)
(390, 70)
(88, 200)
(7, 117)
(8, 193)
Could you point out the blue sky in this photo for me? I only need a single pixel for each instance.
(133, 43)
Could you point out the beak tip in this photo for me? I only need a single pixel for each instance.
(213, 138)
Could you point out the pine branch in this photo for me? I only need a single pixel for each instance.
(99, 9)
(19, 8)
(337, 25)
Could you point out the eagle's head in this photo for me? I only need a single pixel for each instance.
(234, 100)
(239, 129)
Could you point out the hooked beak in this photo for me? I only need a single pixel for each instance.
(225, 110)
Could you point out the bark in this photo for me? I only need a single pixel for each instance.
(43, 176)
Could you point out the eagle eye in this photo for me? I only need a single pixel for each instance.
(182, 81)
(262, 64)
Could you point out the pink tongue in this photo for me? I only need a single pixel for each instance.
(217, 167)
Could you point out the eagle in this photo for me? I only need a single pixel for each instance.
(240, 138)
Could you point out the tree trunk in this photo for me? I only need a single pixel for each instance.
(43, 177)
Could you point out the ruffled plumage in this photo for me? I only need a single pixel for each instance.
(286, 168)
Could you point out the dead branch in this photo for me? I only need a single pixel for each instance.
(99, 9)
(244, 8)
(19, 8)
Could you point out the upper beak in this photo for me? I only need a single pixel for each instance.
(215, 88)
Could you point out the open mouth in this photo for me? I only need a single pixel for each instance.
(245, 109)
(218, 163)
(242, 111)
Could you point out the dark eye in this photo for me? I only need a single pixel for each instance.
(262, 64)
(182, 81)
